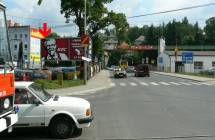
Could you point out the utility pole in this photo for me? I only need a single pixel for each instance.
(85, 48)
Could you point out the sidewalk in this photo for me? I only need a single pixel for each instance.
(190, 77)
(99, 82)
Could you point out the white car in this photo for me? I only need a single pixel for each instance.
(119, 73)
(62, 115)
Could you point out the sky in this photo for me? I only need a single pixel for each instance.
(23, 10)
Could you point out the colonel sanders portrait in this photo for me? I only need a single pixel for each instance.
(53, 52)
(51, 48)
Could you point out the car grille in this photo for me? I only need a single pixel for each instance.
(2, 110)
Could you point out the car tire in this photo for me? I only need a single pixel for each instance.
(61, 128)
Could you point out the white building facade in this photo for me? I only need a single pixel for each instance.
(168, 61)
(31, 45)
(18, 34)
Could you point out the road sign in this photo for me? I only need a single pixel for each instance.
(85, 40)
(187, 57)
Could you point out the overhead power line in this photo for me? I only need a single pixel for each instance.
(174, 10)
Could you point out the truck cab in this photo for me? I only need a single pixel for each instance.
(8, 117)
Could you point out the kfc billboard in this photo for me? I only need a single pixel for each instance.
(62, 49)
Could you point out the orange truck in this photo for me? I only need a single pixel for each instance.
(8, 115)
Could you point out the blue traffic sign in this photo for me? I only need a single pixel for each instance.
(187, 57)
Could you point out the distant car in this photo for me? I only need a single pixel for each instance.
(142, 70)
(113, 67)
(210, 71)
(61, 115)
(130, 69)
(120, 73)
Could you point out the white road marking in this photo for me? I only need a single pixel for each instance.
(153, 83)
(112, 84)
(184, 83)
(133, 84)
(195, 83)
(208, 84)
(174, 83)
(144, 84)
(122, 84)
(164, 83)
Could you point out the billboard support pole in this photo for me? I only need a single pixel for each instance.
(85, 48)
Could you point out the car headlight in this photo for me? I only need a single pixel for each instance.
(88, 112)
(6, 103)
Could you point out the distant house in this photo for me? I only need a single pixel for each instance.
(139, 40)
(110, 44)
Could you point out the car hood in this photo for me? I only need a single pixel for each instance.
(68, 101)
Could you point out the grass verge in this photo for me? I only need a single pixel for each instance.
(53, 84)
(199, 75)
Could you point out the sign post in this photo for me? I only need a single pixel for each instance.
(85, 43)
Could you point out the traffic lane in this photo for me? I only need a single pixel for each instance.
(158, 77)
(193, 106)
(154, 112)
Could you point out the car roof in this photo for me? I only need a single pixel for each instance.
(22, 84)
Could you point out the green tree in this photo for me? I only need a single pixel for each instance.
(97, 49)
(210, 31)
(53, 35)
(133, 33)
(98, 17)
(198, 37)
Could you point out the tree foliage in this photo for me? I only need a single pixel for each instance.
(98, 17)
(210, 31)
(176, 32)
(53, 35)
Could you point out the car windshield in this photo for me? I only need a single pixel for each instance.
(42, 94)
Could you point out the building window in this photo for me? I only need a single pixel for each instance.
(26, 36)
(15, 57)
(213, 64)
(20, 35)
(15, 36)
(15, 47)
(198, 65)
(26, 57)
(26, 47)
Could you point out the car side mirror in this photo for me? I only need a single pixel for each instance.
(36, 102)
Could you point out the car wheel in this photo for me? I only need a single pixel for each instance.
(61, 127)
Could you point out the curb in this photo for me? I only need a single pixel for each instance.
(89, 91)
(183, 77)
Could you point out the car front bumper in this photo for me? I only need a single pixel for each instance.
(86, 120)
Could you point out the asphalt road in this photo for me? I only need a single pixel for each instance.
(158, 107)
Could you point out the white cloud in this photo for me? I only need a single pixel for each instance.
(48, 12)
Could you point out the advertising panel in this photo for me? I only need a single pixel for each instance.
(62, 49)
(35, 50)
